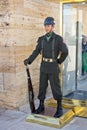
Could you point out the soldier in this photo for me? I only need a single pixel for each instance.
(49, 45)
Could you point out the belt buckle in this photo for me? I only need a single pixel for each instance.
(48, 60)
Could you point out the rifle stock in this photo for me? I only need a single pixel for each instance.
(30, 91)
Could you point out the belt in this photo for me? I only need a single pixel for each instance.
(48, 59)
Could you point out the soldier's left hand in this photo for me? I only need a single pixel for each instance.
(25, 61)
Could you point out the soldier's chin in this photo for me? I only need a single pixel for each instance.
(48, 31)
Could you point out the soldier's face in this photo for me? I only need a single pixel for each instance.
(49, 28)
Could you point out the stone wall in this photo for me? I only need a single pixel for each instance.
(21, 23)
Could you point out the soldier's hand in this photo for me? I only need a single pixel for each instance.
(26, 61)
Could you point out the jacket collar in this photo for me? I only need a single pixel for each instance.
(52, 37)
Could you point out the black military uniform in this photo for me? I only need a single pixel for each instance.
(50, 49)
(49, 69)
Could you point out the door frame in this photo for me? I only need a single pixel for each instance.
(72, 1)
(68, 101)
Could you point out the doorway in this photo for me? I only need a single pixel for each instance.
(74, 82)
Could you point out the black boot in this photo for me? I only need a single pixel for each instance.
(40, 108)
(59, 111)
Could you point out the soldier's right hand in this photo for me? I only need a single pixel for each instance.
(26, 61)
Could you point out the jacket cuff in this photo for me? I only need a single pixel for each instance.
(59, 61)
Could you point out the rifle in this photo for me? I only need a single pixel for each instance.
(30, 91)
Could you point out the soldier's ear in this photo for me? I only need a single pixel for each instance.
(53, 26)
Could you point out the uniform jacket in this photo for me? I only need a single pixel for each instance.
(50, 49)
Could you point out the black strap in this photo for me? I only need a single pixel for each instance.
(42, 48)
(53, 56)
